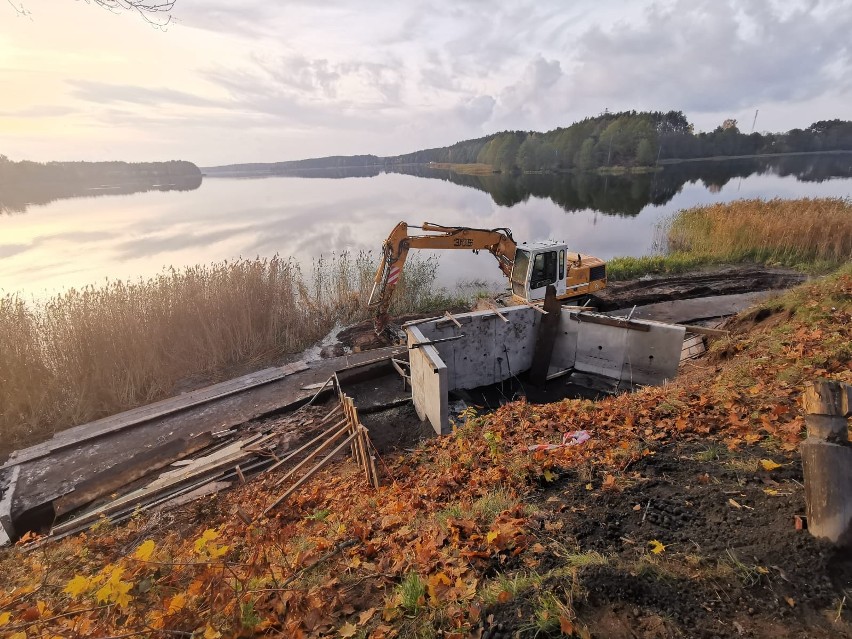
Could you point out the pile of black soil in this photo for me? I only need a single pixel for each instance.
(733, 564)
(729, 280)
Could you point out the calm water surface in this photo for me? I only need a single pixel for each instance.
(73, 242)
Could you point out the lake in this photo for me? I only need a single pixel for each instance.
(48, 244)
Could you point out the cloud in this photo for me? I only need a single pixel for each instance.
(149, 246)
(103, 92)
(43, 111)
(714, 56)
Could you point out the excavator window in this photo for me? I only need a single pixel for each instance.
(544, 270)
(561, 265)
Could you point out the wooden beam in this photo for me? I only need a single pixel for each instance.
(311, 472)
(538, 308)
(632, 325)
(345, 428)
(497, 311)
(108, 425)
(141, 464)
(704, 330)
(452, 319)
(304, 447)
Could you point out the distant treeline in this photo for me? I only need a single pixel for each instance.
(94, 173)
(25, 183)
(626, 139)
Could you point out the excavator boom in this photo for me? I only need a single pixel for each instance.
(530, 268)
(498, 242)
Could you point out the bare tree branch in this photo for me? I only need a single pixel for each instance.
(157, 13)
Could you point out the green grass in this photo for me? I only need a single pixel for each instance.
(411, 593)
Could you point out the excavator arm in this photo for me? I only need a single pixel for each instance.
(498, 242)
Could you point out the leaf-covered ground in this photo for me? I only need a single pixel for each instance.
(675, 519)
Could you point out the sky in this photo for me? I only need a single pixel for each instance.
(251, 81)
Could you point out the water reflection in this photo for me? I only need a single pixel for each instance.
(618, 194)
(16, 197)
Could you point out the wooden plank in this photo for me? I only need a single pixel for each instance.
(333, 438)
(538, 308)
(704, 330)
(133, 469)
(452, 319)
(75, 436)
(304, 447)
(611, 321)
(311, 472)
(165, 482)
(497, 311)
(545, 339)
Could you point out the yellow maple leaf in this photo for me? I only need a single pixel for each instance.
(348, 630)
(177, 603)
(656, 546)
(768, 464)
(217, 551)
(211, 633)
(143, 553)
(120, 594)
(207, 536)
(549, 475)
(491, 536)
(4, 618)
(77, 586)
(104, 593)
(19, 635)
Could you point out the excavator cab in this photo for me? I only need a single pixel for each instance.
(544, 263)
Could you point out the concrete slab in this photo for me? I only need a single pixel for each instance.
(693, 310)
(429, 382)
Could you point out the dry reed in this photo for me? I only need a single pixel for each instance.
(809, 233)
(93, 352)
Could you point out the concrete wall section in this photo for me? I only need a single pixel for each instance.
(637, 357)
(429, 388)
(601, 349)
(653, 357)
(490, 351)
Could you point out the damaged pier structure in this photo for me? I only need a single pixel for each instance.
(165, 454)
(486, 347)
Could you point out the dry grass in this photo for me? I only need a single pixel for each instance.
(804, 232)
(93, 352)
(812, 235)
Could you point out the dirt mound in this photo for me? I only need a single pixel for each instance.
(727, 280)
(733, 563)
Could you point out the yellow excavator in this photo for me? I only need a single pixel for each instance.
(531, 268)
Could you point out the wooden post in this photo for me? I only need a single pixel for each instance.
(827, 460)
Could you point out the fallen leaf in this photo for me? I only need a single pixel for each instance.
(4, 618)
(734, 503)
(365, 616)
(348, 630)
(768, 464)
(565, 626)
(77, 586)
(146, 548)
(790, 601)
(177, 603)
(211, 633)
(657, 547)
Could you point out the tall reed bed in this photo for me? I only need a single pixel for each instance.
(813, 235)
(89, 353)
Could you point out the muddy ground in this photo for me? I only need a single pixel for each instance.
(734, 565)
